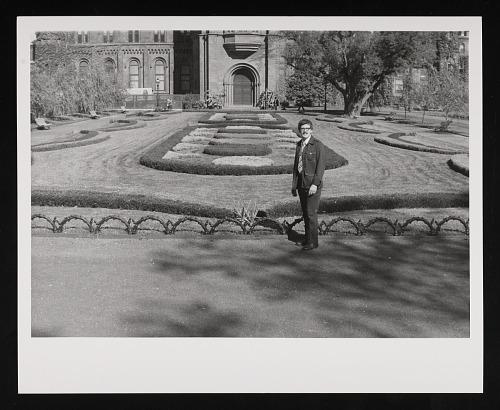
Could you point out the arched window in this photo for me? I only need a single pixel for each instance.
(109, 66)
(160, 70)
(83, 66)
(133, 74)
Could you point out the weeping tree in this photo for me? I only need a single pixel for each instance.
(59, 89)
(357, 63)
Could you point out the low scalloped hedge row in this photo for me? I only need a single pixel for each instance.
(86, 199)
(113, 200)
(153, 158)
(85, 134)
(394, 140)
(58, 146)
(230, 150)
(382, 201)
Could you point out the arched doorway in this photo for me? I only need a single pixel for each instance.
(243, 87)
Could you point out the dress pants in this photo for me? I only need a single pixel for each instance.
(309, 205)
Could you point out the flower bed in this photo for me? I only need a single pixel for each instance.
(226, 150)
(459, 163)
(356, 126)
(394, 140)
(80, 139)
(278, 156)
(243, 118)
(121, 125)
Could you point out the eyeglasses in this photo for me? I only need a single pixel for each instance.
(305, 129)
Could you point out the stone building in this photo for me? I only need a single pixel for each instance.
(237, 65)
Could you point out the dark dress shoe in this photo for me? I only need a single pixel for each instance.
(309, 247)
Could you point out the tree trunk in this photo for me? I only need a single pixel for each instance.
(353, 105)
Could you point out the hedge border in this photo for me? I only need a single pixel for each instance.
(354, 126)
(458, 167)
(394, 141)
(331, 205)
(205, 119)
(55, 147)
(131, 126)
(231, 150)
(86, 135)
(153, 159)
(381, 201)
(115, 200)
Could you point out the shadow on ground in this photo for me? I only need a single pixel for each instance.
(372, 287)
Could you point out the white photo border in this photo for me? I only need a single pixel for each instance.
(168, 365)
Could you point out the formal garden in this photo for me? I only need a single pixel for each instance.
(385, 151)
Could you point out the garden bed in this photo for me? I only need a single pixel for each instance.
(199, 154)
(241, 118)
(459, 163)
(121, 125)
(357, 126)
(333, 206)
(394, 140)
(86, 138)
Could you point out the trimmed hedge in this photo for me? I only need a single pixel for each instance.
(55, 147)
(241, 131)
(382, 201)
(127, 125)
(206, 120)
(230, 150)
(458, 166)
(114, 200)
(153, 159)
(78, 136)
(89, 199)
(355, 126)
(394, 140)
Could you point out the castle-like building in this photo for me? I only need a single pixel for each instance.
(238, 65)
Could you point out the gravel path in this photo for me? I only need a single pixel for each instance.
(112, 166)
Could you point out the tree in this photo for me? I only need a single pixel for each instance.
(304, 88)
(449, 91)
(357, 63)
(407, 98)
(58, 89)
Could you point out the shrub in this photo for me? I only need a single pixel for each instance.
(226, 150)
(114, 200)
(382, 201)
(62, 145)
(241, 131)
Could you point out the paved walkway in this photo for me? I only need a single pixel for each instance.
(372, 286)
(112, 166)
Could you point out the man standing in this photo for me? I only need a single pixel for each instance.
(308, 170)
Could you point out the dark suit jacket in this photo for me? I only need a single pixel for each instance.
(313, 164)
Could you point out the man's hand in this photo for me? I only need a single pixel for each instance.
(312, 190)
(294, 192)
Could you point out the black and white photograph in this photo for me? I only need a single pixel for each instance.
(231, 201)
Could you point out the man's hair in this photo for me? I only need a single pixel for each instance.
(304, 121)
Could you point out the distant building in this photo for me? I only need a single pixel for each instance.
(419, 75)
(238, 65)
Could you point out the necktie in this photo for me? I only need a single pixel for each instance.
(299, 166)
